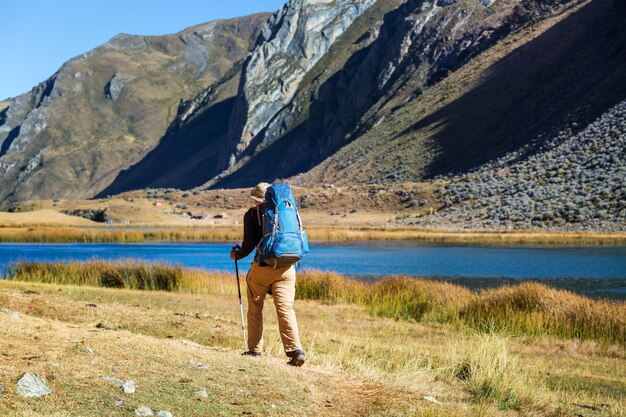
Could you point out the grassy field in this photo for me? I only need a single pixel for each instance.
(231, 234)
(360, 361)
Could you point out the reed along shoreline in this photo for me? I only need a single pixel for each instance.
(320, 234)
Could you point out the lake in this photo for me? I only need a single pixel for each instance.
(599, 271)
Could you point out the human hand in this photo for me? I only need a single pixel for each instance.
(233, 254)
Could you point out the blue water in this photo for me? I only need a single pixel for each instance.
(595, 263)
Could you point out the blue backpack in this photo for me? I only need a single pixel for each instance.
(284, 240)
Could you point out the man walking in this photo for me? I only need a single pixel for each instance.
(262, 277)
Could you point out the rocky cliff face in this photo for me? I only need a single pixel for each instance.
(104, 110)
(291, 43)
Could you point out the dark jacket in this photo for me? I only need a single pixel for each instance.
(252, 231)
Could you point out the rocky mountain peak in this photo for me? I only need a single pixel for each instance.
(105, 109)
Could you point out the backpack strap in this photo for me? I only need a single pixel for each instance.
(299, 221)
(258, 215)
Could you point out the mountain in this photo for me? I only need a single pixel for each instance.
(387, 92)
(207, 139)
(104, 110)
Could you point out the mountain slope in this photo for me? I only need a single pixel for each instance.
(575, 181)
(104, 110)
(542, 81)
(297, 104)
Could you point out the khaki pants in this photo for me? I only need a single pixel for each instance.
(283, 282)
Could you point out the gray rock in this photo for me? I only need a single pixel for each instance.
(196, 364)
(143, 411)
(13, 314)
(164, 414)
(81, 347)
(432, 399)
(2, 389)
(291, 43)
(129, 387)
(31, 386)
(114, 88)
(202, 393)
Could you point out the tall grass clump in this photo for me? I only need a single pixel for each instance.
(122, 274)
(395, 297)
(68, 235)
(490, 372)
(198, 281)
(128, 274)
(329, 287)
(83, 235)
(419, 300)
(536, 309)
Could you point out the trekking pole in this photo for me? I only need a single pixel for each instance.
(243, 328)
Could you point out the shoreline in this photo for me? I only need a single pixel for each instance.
(48, 234)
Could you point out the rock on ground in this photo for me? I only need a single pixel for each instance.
(13, 314)
(31, 386)
(196, 364)
(143, 411)
(129, 387)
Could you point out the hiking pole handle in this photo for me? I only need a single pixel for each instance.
(237, 248)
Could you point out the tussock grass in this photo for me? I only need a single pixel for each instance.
(489, 371)
(525, 309)
(121, 274)
(396, 297)
(470, 237)
(532, 308)
(337, 234)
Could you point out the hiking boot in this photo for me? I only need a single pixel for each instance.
(297, 358)
(253, 354)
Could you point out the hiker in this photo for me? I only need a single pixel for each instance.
(262, 277)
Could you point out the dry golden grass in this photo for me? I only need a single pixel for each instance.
(532, 308)
(71, 235)
(362, 365)
(488, 370)
(44, 217)
(164, 380)
(337, 234)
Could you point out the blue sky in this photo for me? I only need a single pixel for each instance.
(38, 36)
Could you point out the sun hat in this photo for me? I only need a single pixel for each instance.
(258, 192)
